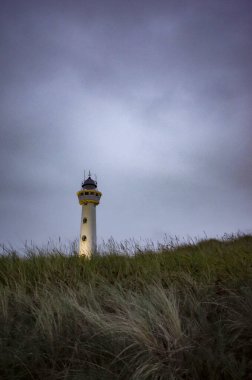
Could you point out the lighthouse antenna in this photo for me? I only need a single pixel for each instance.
(89, 173)
(84, 175)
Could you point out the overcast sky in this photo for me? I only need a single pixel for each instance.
(155, 97)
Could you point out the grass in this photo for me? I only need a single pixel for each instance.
(174, 312)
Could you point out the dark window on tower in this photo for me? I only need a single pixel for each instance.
(83, 238)
(86, 193)
(84, 220)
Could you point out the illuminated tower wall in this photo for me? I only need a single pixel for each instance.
(89, 198)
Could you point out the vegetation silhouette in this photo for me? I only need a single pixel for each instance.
(180, 311)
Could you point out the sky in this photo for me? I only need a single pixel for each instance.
(154, 97)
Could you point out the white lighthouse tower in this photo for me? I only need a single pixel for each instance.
(89, 198)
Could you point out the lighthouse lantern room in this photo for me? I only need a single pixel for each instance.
(89, 197)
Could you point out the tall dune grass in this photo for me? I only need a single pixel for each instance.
(178, 312)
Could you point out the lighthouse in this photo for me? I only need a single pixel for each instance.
(89, 197)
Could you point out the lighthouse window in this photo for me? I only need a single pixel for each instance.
(97, 194)
(83, 238)
(86, 193)
(84, 220)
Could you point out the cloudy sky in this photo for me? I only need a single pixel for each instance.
(155, 97)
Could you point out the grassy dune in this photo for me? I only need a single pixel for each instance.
(184, 312)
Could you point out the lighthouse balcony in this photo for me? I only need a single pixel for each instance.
(89, 196)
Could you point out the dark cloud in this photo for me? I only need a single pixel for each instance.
(155, 97)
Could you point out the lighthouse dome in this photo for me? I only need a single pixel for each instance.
(89, 183)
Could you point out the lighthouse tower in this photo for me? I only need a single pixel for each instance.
(89, 198)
